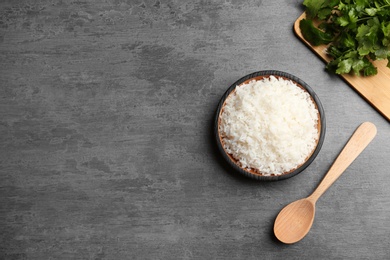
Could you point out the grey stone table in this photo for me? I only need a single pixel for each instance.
(106, 150)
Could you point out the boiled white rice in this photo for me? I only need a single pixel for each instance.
(269, 125)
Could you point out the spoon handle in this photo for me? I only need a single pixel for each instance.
(356, 144)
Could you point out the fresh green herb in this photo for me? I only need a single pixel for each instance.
(313, 35)
(357, 31)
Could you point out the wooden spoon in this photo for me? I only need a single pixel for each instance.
(295, 220)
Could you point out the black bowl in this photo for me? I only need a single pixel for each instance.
(321, 126)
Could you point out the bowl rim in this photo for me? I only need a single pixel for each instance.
(301, 83)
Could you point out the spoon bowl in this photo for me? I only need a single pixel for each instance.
(295, 220)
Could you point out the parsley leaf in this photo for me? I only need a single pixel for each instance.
(313, 7)
(314, 35)
(356, 32)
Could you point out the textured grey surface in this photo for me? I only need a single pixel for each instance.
(106, 150)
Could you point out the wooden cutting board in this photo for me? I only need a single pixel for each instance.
(374, 89)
